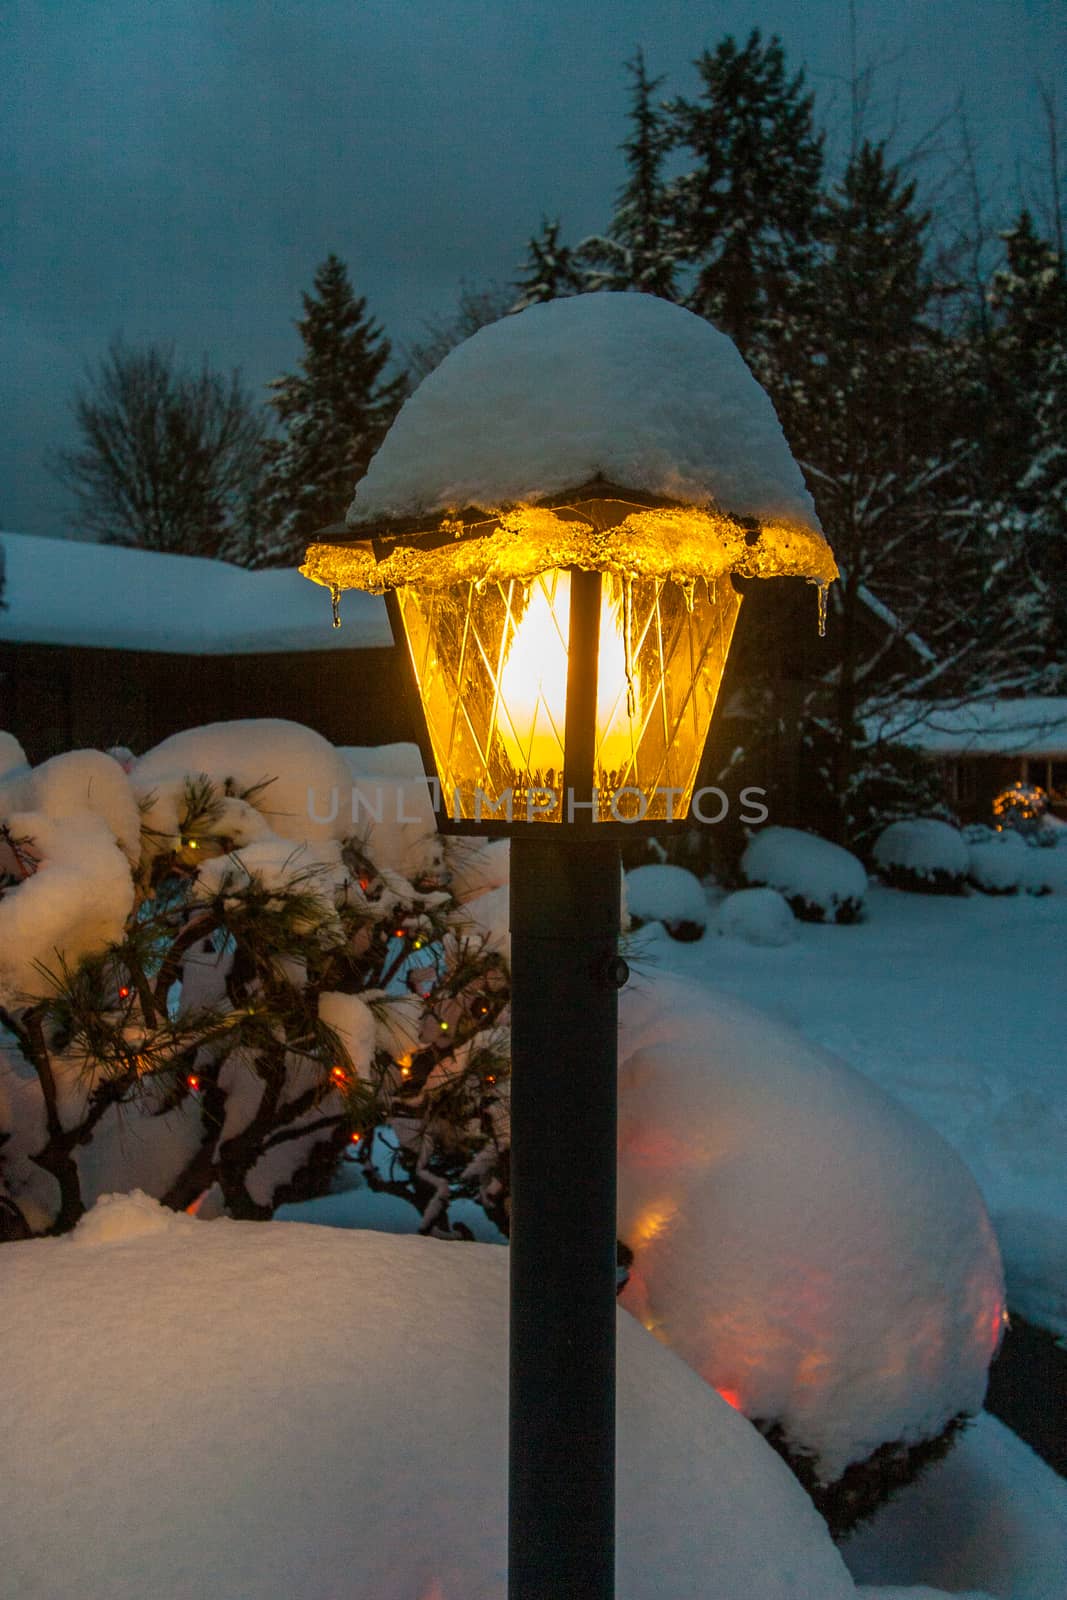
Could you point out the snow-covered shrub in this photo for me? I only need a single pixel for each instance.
(889, 782)
(379, 1367)
(211, 983)
(813, 1250)
(1045, 871)
(758, 916)
(923, 854)
(671, 895)
(998, 861)
(821, 881)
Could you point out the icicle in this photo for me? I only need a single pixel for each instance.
(824, 589)
(335, 602)
(689, 592)
(628, 652)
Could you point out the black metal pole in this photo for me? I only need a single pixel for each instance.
(564, 1012)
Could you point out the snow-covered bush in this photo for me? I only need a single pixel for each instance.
(821, 881)
(383, 1362)
(758, 916)
(216, 973)
(923, 854)
(1046, 871)
(810, 1247)
(998, 861)
(670, 895)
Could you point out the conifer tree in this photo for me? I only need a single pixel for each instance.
(334, 413)
(641, 223)
(551, 270)
(1023, 516)
(746, 210)
(886, 467)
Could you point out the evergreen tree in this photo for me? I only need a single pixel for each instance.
(1023, 512)
(746, 211)
(551, 270)
(885, 466)
(335, 413)
(642, 223)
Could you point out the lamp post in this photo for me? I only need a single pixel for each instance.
(567, 632)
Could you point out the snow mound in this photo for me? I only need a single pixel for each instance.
(758, 916)
(73, 903)
(998, 863)
(390, 808)
(821, 881)
(1045, 871)
(117, 1217)
(807, 1245)
(990, 1518)
(625, 387)
(336, 1426)
(1034, 1247)
(88, 780)
(671, 895)
(477, 865)
(12, 755)
(922, 853)
(302, 772)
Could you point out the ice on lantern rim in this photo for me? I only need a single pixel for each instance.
(533, 684)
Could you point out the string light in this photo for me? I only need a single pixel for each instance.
(339, 1075)
(354, 1138)
(124, 993)
(192, 1083)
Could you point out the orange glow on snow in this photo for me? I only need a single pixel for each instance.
(731, 1397)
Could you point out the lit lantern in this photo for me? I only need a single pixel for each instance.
(567, 648)
(556, 519)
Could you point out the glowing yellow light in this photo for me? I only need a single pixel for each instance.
(652, 1222)
(533, 683)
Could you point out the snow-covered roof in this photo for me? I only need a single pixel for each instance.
(64, 591)
(624, 387)
(1027, 727)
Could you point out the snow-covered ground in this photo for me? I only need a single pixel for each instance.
(297, 1413)
(958, 1007)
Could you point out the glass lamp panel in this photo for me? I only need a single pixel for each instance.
(677, 645)
(491, 666)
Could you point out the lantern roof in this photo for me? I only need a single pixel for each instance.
(617, 432)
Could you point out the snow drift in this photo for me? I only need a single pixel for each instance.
(810, 1247)
(334, 1423)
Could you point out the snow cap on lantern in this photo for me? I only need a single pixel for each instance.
(608, 434)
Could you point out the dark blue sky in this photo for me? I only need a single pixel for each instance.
(176, 172)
